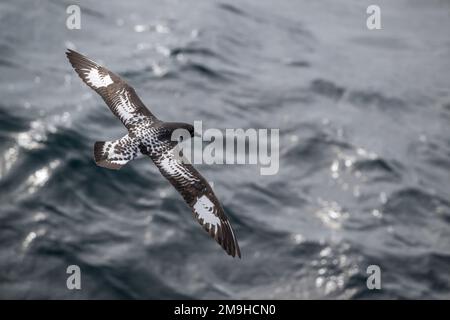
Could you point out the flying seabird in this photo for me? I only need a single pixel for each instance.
(152, 137)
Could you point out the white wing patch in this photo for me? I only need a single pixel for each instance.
(96, 79)
(176, 169)
(205, 210)
(124, 107)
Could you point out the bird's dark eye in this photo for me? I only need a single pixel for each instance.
(180, 139)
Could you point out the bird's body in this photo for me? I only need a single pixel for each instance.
(150, 136)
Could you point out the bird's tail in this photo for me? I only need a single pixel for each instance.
(115, 154)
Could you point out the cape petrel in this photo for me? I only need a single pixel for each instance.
(152, 137)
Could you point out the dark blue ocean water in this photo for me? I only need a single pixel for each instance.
(364, 179)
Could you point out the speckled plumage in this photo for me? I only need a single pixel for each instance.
(152, 137)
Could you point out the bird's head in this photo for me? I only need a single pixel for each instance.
(179, 131)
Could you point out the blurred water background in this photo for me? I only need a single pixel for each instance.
(364, 179)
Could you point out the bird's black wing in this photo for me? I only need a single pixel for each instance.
(118, 95)
(199, 195)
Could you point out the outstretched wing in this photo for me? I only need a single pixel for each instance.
(199, 196)
(118, 95)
